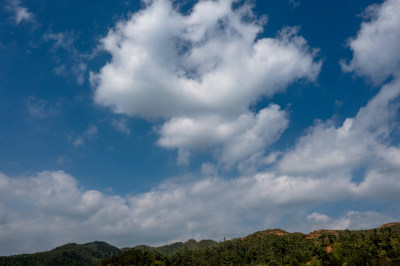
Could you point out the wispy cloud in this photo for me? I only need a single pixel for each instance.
(41, 108)
(61, 40)
(89, 134)
(294, 3)
(121, 125)
(74, 62)
(21, 13)
(78, 141)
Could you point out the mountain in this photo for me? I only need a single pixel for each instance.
(69, 254)
(178, 246)
(380, 246)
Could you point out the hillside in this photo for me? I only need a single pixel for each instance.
(69, 254)
(178, 246)
(380, 246)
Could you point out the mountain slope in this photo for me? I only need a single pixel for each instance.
(178, 246)
(380, 246)
(69, 254)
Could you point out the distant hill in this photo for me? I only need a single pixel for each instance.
(380, 246)
(178, 246)
(389, 225)
(69, 254)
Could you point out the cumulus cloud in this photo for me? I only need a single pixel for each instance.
(21, 14)
(201, 71)
(49, 209)
(235, 139)
(364, 140)
(207, 61)
(375, 49)
(361, 141)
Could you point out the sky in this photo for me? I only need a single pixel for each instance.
(155, 121)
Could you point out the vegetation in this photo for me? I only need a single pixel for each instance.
(379, 246)
(178, 246)
(69, 254)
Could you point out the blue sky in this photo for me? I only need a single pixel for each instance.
(154, 121)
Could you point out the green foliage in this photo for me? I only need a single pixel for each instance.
(178, 246)
(69, 254)
(366, 247)
(271, 247)
(136, 257)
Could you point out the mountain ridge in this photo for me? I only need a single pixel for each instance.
(321, 241)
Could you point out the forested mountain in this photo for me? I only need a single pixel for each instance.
(380, 246)
(178, 246)
(69, 254)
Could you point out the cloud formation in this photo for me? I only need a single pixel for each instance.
(208, 61)
(121, 125)
(41, 108)
(375, 49)
(235, 139)
(21, 14)
(350, 220)
(49, 209)
(69, 59)
(199, 69)
(200, 72)
(89, 134)
(361, 141)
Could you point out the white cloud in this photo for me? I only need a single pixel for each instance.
(376, 51)
(379, 183)
(50, 209)
(22, 14)
(202, 71)
(362, 141)
(206, 61)
(318, 217)
(234, 140)
(350, 220)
